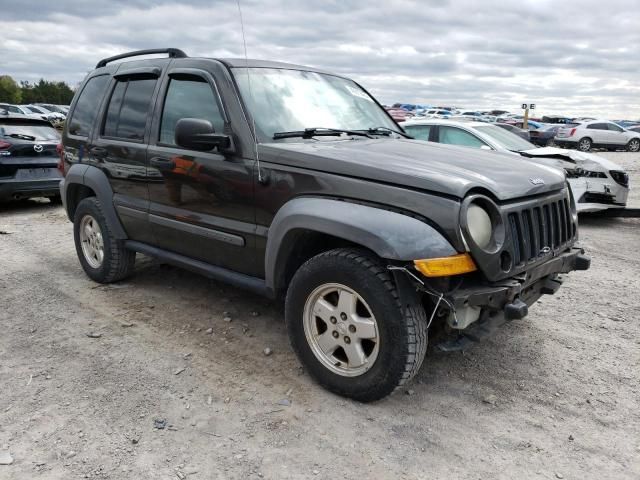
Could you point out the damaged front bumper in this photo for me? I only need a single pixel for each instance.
(477, 309)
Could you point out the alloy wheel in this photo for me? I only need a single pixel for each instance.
(341, 330)
(91, 241)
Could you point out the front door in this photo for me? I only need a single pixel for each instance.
(201, 203)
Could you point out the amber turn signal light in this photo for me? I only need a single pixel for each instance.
(446, 266)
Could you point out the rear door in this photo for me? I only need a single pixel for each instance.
(201, 203)
(119, 148)
(599, 133)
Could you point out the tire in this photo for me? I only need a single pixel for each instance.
(115, 261)
(400, 344)
(633, 145)
(584, 144)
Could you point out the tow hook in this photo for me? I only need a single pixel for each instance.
(516, 310)
(582, 262)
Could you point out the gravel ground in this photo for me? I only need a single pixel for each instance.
(88, 372)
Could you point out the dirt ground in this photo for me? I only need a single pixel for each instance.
(87, 373)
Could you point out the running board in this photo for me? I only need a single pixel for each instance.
(240, 280)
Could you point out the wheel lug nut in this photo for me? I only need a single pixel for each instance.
(333, 320)
(352, 328)
(343, 316)
(335, 334)
(347, 340)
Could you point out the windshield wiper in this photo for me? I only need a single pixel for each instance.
(21, 136)
(319, 132)
(385, 131)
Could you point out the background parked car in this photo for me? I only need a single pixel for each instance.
(597, 183)
(597, 133)
(28, 159)
(544, 135)
(399, 114)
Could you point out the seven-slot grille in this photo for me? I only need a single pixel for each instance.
(532, 229)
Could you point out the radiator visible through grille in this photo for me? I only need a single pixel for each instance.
(534, 229)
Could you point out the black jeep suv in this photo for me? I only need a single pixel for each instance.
(296, 183)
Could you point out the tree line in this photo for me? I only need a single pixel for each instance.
(43, 91)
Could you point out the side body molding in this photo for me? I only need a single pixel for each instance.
(96, 180)
(390, 235)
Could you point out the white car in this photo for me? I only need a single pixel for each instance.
(585, 135)
(19, 111)
(596, 183)
(437, 113)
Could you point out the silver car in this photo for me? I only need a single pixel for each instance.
(597, 183)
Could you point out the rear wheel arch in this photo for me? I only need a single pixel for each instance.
(84, 181)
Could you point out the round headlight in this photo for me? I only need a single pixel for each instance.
(479, 225)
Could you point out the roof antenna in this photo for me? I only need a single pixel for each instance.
(253, 122)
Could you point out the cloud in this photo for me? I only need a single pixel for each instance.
(573, 57)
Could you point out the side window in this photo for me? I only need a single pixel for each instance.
(455, 136)
(613, 127)
(188, 97)
(419, 132)
(128, 108)
(597, 126)
(84, 112)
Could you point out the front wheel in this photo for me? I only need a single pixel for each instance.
(102, 256)
(633, 145)
(348, 329)
(584, 145)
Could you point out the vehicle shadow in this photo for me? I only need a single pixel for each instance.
(26, 205)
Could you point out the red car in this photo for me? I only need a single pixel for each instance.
(399, 114)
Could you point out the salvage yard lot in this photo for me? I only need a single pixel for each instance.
(88, 372)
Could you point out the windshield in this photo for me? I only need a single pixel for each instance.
(282, 100)
(505, 138)
(39, 132)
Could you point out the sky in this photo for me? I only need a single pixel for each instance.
(578, 58)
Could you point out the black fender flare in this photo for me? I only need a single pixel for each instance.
(95, 179)
(391, 235)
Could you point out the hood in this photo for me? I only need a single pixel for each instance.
(445, 169)
(583, 159)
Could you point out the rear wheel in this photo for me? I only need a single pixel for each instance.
(103, 257)
(584, 145)
(633, 145)
(347, 327)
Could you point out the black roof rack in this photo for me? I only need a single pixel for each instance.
(172, 52)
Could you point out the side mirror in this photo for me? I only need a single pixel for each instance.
(199, 134)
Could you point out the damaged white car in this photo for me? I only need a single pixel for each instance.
(596, 182)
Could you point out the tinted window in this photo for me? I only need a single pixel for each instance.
(455, 136)
(597, 126)
(419, 132)
(87, 105)
(614, 127)
(188, 97)
(129, 108)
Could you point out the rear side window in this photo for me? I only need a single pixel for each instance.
(419, 132)
(455, 136)
(597, 126)
(188, 97)
(128, 108)
(86, 107)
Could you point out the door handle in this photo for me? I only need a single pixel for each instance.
(162, 163)
(99, 152)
